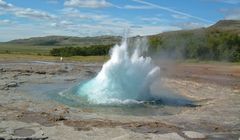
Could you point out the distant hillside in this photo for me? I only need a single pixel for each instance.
(230, 25)
(66, 41)
(220, 41)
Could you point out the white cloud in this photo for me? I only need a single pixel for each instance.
(87, 3)
(150, 30)
(231, 14)
(171, 10)
(191, 25)
(115, 22)
(18, 31)
(177, 16)
(63, 23)
(76, 14)
(154, 20)
(151, 19)
(31, 13)
(4, 5)
(89, 24)
(135, 7)
(24, 12)
(5, 21)
(88, 29)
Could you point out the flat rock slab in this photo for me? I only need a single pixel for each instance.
(24, 132)
(194, 135)
(169, 136)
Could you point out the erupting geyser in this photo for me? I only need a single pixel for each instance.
(124, 78)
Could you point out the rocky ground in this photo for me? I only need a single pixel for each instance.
(27, 115)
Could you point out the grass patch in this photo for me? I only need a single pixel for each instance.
(196, 61)
(28, 57)
(25, 49)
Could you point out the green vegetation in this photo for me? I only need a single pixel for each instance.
(81, 51)
(200, 44)
(6, 48)
(220, 42)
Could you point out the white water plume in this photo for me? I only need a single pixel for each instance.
(124, 78)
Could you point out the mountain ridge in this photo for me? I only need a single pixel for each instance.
(58, 40)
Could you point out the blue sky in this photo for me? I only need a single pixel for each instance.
(30, 18)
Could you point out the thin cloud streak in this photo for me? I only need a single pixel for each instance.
(172, 10)
(137, 7)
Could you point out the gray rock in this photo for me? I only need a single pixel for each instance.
(2, 87)
(41, 72)
(169, 136)
(12, 84)
(22, 132)
(2, 70)
(194, 135)
(26, 138)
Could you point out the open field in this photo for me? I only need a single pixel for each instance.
(35, 57)
(24, 57)
(25, 49)
(222, 73)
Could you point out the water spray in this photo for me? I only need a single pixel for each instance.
(124, 78)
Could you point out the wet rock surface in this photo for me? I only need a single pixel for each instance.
(27, 116)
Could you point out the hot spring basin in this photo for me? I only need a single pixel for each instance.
(65, 93)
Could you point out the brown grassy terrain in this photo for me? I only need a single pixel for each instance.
(24, 57)
(227, 74)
